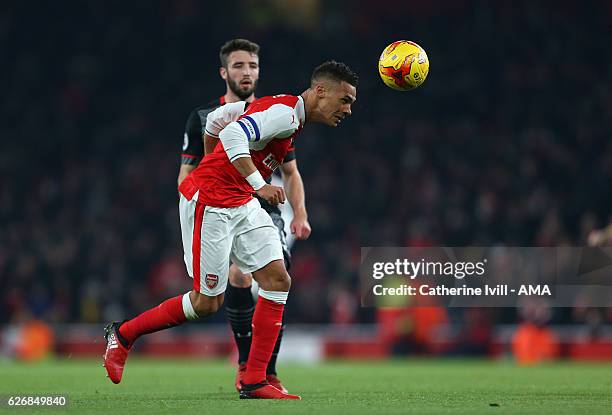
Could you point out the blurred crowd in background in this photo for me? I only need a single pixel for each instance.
(507, 142)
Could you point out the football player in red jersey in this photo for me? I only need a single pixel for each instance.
(221, 219)
(240, 70)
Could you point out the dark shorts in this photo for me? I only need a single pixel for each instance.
(280, 225)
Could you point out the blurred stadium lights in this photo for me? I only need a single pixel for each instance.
(297, 14)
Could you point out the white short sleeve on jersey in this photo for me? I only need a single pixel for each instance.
(278, 121)
(255, 130)
(218, 119)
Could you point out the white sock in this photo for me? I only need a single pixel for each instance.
(190, 313)
(279, 297)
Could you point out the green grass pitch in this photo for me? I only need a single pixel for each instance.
(390, 387)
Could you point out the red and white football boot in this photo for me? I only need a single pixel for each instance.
(276, 382)
(263, 391)
(116, 353)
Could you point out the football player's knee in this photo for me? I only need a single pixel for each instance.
(238, 279)
(274, 277)
(287, 280)
(205, 306)
(281, 281)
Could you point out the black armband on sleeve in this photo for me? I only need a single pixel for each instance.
(190, 160)
(290, 154)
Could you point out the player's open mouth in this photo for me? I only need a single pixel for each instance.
(246, 83)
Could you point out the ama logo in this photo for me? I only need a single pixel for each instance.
(534, 290)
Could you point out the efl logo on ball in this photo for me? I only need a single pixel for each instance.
(403, 65)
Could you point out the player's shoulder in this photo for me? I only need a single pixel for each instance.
(276, 116)
(281, 100)
(203, 110)
(210, 106)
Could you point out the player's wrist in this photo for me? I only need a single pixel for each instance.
(300, 214)
(256, 180)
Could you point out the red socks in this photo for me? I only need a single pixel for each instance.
(267, 322)
(168, 314)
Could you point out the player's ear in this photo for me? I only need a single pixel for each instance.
(223, 73)
(320, 89)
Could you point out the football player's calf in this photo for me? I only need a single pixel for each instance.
(274, 286)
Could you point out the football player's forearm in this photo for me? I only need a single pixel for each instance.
(244, 165)
(247, 169)
(210, 143)
(294, 187)
(184, 171)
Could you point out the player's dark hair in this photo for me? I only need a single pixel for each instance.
(337, 71)
(234, 45)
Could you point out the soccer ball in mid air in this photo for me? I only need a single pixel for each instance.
(403, 65)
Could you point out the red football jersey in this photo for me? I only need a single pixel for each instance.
(270, 125)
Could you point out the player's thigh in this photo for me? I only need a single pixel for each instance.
(211, 268)
(256, 242)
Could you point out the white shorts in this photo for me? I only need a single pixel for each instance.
(211, 236)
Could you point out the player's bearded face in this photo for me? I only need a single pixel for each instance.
(243, 88)
(242, 73)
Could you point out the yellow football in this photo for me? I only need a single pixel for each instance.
(403, 65)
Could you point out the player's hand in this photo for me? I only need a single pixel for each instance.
(300, 227)
(272, 194)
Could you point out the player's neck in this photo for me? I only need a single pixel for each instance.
(310, 105)
(230, 97)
